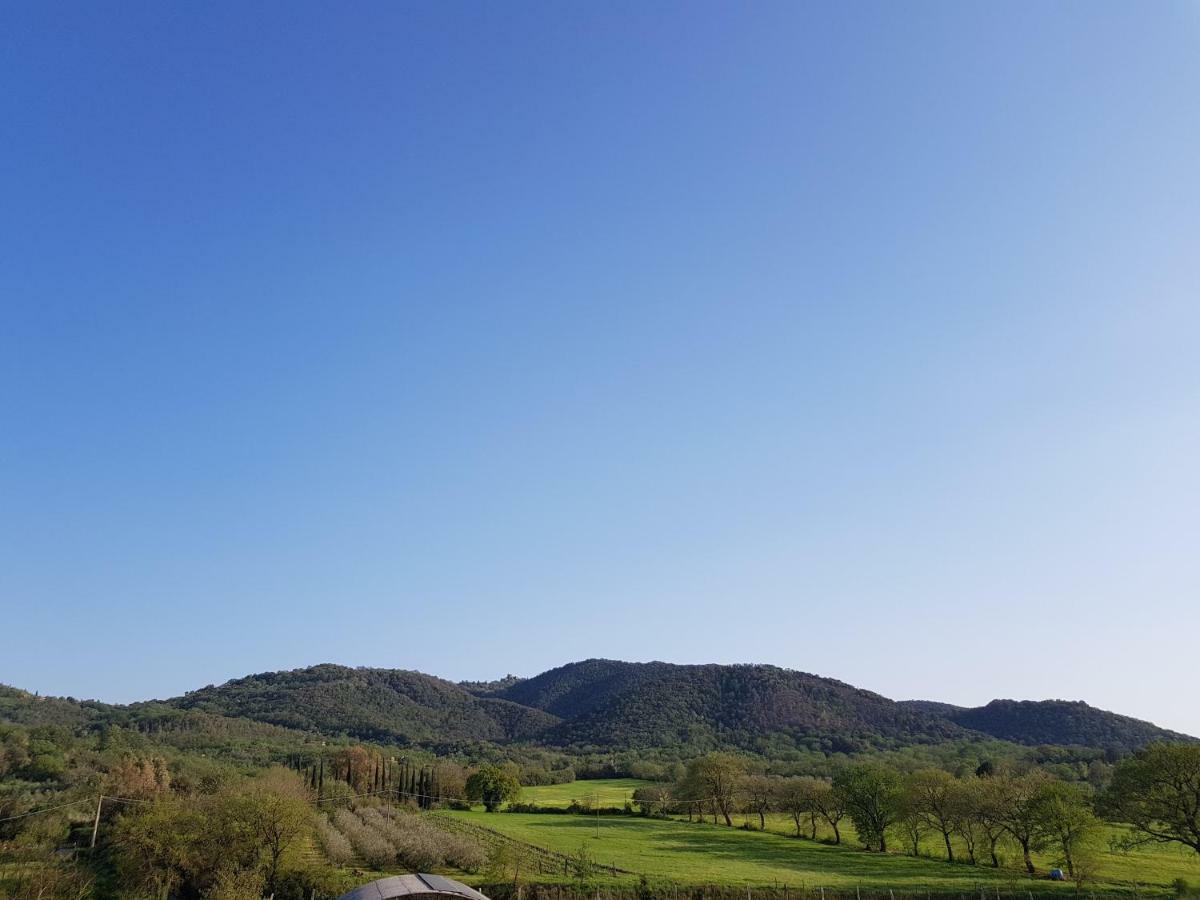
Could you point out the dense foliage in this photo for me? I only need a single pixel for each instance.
(1060, 722)
(639, 712)
(387, 705)
(492, 786)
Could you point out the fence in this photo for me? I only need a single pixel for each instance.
(671, 891)
(545, 862)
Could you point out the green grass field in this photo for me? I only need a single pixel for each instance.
(696, 853)
(600, 792)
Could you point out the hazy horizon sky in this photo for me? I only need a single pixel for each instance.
(862, 339)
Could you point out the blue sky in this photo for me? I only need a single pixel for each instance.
(476, 338)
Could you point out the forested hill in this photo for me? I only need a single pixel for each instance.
(608, 704)
(1062, 722)
(595, 705)
(389, 705)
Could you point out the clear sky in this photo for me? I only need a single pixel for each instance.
(474, 338)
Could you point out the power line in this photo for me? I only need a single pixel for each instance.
(36, 812)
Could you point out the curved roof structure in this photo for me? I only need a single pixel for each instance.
(414, 886)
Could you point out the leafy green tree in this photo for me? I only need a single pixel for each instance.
(984, 816)
(275, 817)
(759, 793)
(717, 777)
(798, 798)
(873, 795)
(1022, 813)
(1157, 792)
(910, 820)
(831, 805)
(492, 786)
(183, 845)
(1067, 819)
(935, 798)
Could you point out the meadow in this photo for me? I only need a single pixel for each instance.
(597, 792)
(702, 853)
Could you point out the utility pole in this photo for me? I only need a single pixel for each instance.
(96, 824)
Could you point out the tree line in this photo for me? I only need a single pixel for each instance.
(370, 771)
(974, 818)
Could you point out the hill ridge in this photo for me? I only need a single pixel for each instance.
(604, 705)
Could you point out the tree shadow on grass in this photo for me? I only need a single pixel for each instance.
(778, 855)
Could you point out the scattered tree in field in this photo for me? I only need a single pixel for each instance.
(969, 824)
(492, 786)
(1157, 791)
(830, 803)
(758, 792)
(872, 795)
(1067, 819)
(910, 820)
(653, 799)
(986, 797)
(717, 778)
(1022, 814)
(935, 798)
(797, 797)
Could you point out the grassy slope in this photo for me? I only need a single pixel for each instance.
(705, 853)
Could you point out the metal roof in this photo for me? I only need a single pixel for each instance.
(413, 886)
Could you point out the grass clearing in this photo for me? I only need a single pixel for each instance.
(705, 854)
(702, 853)
(596, 792)
(1157, 865)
